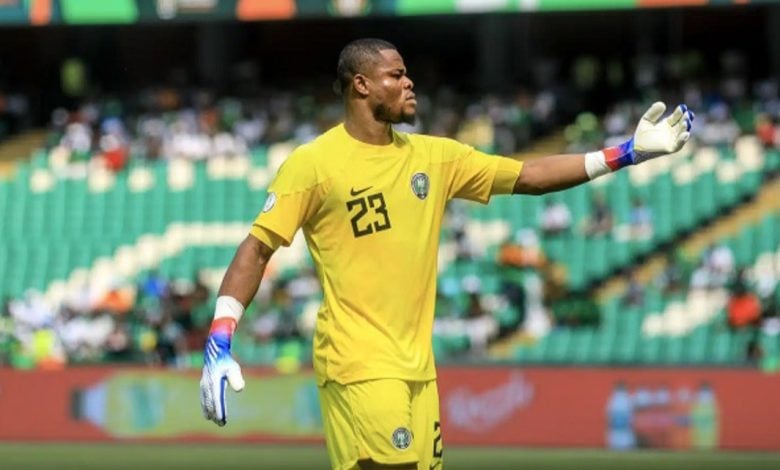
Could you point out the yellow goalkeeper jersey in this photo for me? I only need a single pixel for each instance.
(371, 215)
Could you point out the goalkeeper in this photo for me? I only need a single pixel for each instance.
(370, 202)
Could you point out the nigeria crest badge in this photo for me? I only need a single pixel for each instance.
(402, 438)
(420, 185)
(270, 200)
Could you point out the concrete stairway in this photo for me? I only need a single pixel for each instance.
(766, 201)
(552, 144)
(19, 147)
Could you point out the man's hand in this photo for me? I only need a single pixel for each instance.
(656, 136)
(219, 369)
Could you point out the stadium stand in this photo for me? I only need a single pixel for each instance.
(117, 199)
(60, 234)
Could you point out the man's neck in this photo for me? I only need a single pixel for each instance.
(368, 130)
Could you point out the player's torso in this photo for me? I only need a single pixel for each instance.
(379, 199)
(375, 241)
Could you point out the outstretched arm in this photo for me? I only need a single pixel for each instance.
(654, 137)
(551, 173)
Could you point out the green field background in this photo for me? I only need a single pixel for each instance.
(208, 456)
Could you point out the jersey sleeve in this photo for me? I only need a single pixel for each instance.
(295, 194)
(476, 175)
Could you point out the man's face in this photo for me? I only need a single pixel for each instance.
(391, 97)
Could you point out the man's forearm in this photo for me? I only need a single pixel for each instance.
(245, 272)
(551, 173)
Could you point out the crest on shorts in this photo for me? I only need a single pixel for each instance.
(420, 185)
(269, 202)
(402, 438)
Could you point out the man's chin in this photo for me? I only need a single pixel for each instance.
(407, 118)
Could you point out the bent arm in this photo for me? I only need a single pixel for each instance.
(245, 272)
(551, 173)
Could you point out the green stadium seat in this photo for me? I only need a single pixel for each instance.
(697, 351)
(619, 254)
(739, 345)
(767, 235)
(721, 348)
(559, 346)
(597, 257)
(706, 200)
(530, 211)
(743, 246)
(650, 350)
(583, 346)
(603, 344)
(674, 351)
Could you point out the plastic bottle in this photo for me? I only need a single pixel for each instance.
(705, 425)
(153, 405)
(620, 419)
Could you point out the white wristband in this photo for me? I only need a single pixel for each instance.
(228, 307)
(596, 164)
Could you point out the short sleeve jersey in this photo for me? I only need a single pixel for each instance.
(371, 216)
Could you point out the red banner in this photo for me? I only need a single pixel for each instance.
(618, 408)
(625, 408)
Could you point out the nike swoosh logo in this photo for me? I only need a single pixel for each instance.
(355, 192)
(435, 465)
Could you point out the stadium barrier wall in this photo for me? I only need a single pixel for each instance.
(507, 406)
(76, 12)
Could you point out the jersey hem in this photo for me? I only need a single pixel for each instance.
(321, 380)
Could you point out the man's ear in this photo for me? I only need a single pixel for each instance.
(360, 82)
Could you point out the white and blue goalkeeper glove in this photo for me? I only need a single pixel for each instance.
(654, 136)
(219, 369)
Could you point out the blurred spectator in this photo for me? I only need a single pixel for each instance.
(118, 300)
(168, 122)
(744, 308)
(84, 335)
(556, 218)
(722, 264)
(480, 325)
(766, 130)
(717, 127)
(715, 270)
(640, 223)
(523, 251)
(584, 134)
(278, 320)
(456, 221)
(153, 285)
(599, 222)
(31, 312)
(14, 113)
(7, 338)
(635, 293)
(770, 325)
(522, 263)
(171, 344)
(114, 153)
(672, 279)
(576, 311)
(119, 344)
(474, 322)
(640, 220)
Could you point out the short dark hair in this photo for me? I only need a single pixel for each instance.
(354, 58)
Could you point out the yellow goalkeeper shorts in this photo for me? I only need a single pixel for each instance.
(389, 421)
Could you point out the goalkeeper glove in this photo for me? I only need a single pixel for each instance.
(219, 369)
(653, 137)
